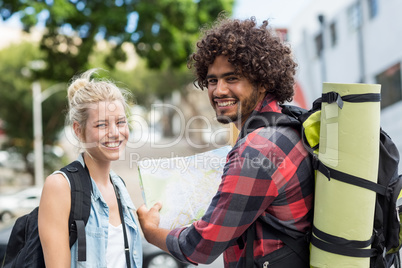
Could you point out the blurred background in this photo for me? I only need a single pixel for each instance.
(143, 45)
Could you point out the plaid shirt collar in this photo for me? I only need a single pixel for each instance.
(268, 104)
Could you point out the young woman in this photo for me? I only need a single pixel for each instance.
(97, 114)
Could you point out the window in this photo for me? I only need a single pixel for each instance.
(334, 37)
(391, 88)
(282, 33)
(373, 8)
(319, 45)
(354, 16)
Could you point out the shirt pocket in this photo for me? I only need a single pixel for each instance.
(135, 239)
(96, 247)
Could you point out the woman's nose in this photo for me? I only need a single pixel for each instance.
(113, 130)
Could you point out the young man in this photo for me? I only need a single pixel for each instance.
(268, 181)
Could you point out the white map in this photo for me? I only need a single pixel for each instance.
(184, 185)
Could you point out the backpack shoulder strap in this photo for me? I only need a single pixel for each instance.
(269, 119)
(291, 116)
(81, 189)
(300, 246)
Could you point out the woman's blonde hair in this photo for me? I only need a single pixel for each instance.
(85, 90)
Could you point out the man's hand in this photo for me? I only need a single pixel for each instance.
(149, 221)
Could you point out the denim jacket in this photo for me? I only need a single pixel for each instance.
(97, 228)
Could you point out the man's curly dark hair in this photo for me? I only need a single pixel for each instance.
(255, 52)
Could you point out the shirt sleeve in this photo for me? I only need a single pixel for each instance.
(246, 190)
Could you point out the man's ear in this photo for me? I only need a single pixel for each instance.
(77, 130)
(262, 89)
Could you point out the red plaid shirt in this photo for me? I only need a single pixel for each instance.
(267, 176)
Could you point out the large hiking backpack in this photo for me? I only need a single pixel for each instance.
(386, 240)
(24, 248)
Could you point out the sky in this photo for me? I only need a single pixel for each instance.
(279, 12)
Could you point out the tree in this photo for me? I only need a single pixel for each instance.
(163, 31)
(16, 102)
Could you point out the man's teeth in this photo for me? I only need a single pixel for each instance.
(226, 103)
(112, 144)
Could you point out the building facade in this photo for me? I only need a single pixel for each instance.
(352, 41)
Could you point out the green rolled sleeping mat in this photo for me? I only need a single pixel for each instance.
(349, 142)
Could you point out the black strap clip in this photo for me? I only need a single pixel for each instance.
(332, 97)
(318, 165)
(315, 161)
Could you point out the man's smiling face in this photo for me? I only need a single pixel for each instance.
(232, 96)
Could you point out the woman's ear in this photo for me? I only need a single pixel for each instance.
(77, 130)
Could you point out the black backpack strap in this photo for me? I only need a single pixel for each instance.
(333, 96)
(250, 245)
(339, 245)
(347, 178)
(126, 247)
(299, 246)
(268, 119)
(81, 189)
(291, 116)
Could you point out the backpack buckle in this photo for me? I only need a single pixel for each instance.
(315, 162)
(72, 169)
(332, 97)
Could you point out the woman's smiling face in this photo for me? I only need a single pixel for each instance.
(106, 130)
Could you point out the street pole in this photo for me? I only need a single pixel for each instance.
(360, 40)
(38, 139)
(321, 19)
(38, 98)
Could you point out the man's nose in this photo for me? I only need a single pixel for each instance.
(221, 88)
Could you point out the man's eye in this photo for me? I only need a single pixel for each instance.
(211, 81)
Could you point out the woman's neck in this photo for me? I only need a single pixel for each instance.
(99, 171)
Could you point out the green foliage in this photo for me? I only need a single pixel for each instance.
(16, 96)
(163, 31)
(149, 85)
(16, 100)
(167, 33)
